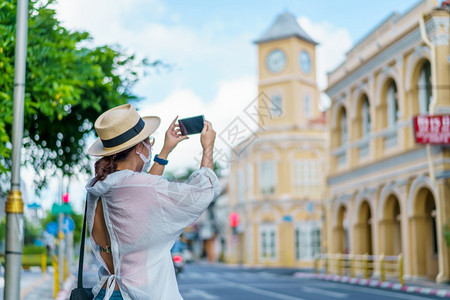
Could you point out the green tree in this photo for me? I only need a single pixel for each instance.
(68, 84)
(2, 229)
(31, 232)
(183, 176)
(77, 219)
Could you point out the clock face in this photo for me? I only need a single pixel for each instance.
(276, 61)
(305, 61)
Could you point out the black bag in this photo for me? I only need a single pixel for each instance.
(81, 293)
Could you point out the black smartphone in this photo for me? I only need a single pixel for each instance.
(191, 125)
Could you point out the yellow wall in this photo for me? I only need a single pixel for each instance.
(284, 140)
(392, 178)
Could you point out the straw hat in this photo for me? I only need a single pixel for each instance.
(121, 128)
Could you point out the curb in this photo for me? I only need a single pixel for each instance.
(64, 293)
(377, 283)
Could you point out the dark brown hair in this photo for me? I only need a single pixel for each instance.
(107, 164)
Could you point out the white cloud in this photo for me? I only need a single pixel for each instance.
(333, 44)
(102, 16)
(148, 28)
(231, 99)
(137, 26)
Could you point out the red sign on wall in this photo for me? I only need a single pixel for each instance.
(432, 129)
(234, 219)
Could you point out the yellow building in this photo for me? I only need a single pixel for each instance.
(383, 196)
(277, 178)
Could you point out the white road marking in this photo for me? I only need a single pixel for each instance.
(199, 293)
(324, 292)
(194, 275)
(255, 290)
(267, 274)
(203, 285)
(275, 295)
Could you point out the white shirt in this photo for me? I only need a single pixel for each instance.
(144, 215)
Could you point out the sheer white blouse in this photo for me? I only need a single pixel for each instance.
(144, 215)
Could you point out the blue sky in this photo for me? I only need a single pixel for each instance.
(218, 24)
(210, 43)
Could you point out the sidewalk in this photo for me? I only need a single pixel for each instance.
(42, 288)
(417, 287)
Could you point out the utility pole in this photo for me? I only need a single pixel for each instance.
(14, 203)
(61, 236)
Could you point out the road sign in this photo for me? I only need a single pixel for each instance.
(34, 205)
(64, 208)
(287, 218)
(68, 224)
(52, 228)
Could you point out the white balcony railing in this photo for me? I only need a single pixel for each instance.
(340, 155)
(363, 146)
(390, 138)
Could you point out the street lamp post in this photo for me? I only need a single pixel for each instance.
(14, 203)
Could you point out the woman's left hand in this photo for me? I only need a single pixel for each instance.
(173, 137)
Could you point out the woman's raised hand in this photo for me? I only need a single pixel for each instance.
(173, 136)
(208, 136)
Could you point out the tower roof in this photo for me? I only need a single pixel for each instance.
(285, 26)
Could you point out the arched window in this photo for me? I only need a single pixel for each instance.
(307, 104)
(268, 234)
(277, 105)
(267, 177)
(424, 87)
(365, 117)
(392, 105)
(343, 127)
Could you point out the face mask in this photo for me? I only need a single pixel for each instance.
(146, 160)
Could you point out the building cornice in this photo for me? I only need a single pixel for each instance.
(394, 163)
(378, 61)
(287, 78)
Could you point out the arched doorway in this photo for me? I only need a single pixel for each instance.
(363, 230)
(424, 231)
(340, 236)
(390, 225)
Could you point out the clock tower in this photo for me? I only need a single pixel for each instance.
(276, 180)
(287, 74)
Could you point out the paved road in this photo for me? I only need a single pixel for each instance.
(29, 280)
(221, 282)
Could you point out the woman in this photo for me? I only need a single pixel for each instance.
(134, 217)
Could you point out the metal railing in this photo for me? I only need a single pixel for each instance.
(31, 260)
(364, 265)
(390, 138)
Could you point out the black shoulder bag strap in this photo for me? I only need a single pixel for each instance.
(80, 260)
(81, 293)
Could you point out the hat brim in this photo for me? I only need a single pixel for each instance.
(151, 124)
